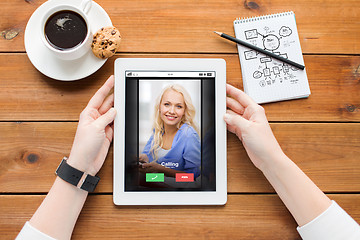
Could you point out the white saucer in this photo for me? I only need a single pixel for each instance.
(46, 62)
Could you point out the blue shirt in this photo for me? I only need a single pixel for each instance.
(184, 154)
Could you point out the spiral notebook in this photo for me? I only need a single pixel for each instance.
(266, 79)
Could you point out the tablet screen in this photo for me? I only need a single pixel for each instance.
(170, 131)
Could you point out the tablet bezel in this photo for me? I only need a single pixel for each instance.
(218, 197)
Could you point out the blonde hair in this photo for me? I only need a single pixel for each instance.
(158, 125)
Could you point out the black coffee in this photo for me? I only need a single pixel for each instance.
(65, 30)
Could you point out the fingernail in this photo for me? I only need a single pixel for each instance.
(112, 110)
(226, 116)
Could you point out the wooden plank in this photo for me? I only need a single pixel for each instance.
(26, 94)
(187, 26)
(243, 217)
(328, 153)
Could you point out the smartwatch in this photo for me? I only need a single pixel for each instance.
(76, 177)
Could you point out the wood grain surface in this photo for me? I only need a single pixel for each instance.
(27, 95)
(328, 153)
(180, 26)
(243, 217)
(321, 134)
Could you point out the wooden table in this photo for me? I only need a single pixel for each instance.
(38, 118)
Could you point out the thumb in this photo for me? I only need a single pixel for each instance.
(235, 120)
(145, 165)
(106, 118)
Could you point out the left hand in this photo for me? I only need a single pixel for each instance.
(94, 132)
(248, 121)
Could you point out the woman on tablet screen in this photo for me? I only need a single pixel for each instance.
(174, 146)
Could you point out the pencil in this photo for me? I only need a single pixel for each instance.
(260, 50)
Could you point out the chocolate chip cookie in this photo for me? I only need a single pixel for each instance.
(105, 42)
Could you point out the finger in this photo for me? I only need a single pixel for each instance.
(107, 104)
(235, 120)
(229, 111)
(239, 95)
(106, 118)
(109, 132)
(234, 105)
(142, 160)
(97, 100)
(231, 128)
(145, 157)
(145, 165)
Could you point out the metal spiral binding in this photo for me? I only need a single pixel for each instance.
(263, 17)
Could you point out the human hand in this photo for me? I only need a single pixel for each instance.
(152, 167)
(143, 158)
(94, 132)
(248, 121)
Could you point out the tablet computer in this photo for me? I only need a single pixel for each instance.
(169, 133)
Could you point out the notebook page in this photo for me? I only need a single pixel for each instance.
(267, 79)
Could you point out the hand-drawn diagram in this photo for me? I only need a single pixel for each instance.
(269, 71)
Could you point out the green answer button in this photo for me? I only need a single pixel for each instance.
(155, 177)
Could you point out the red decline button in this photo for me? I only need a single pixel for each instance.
(184, 177)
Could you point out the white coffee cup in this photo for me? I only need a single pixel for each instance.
(79, 50)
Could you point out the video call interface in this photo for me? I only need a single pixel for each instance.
(170, 131)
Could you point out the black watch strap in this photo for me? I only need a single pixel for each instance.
(76, 177)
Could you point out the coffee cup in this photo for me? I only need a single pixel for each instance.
(65, 30)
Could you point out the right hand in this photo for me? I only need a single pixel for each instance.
(248, 121)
